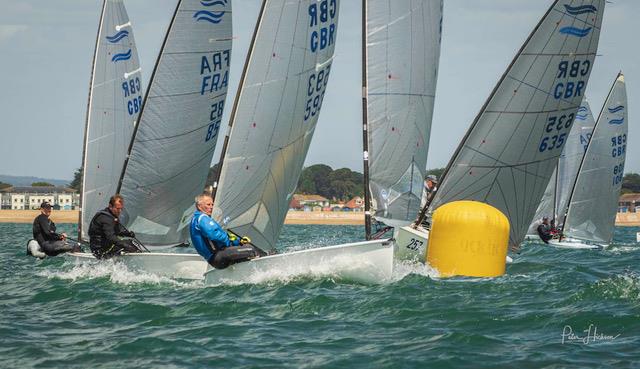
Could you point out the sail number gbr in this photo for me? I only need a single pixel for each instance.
(132, 88)
(316, 85)
(556, 132)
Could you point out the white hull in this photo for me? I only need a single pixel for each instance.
(181, 266)
(366, 262)
(411, 244)
(570, 243)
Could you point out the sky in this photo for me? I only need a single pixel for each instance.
(47, 49)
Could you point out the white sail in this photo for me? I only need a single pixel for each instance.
(174, 141)
(508, 155)
(556, 197)
(115, 98)
(275, 115)
(402, 54)
(594, 202)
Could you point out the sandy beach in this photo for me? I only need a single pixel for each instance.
(293, 217)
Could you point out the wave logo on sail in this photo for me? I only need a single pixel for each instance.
(118, 36)
(214, 17)
(616, 121)
(616, 109)
(121, 57)
(577, 10)
(582, 113)
(573, 31)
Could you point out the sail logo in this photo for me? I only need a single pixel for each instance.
(121, 56)
(582, 113)
(577, 10)
(573, 31)
(117, 37)
(214, 17)
(616, 121)
(616, 109)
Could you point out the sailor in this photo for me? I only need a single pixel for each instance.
(212, 242)
(544, 230)
(430, 186)
(44, 231)
(105, 231)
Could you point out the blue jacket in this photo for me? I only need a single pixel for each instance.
(203, 229)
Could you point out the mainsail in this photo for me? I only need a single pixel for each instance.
(275, 115)
(556, 196)
(173, 143)
(508, 154)
(401, 50)
(115, 98)
(594, 201)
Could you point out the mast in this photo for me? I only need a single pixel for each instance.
(234, 109)
(153, 73)
(555, 194)
(86, 127)
(595, 127)
(423, 212)
(365, 130)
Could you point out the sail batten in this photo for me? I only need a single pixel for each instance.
(400, 68)
(545, 83)
(175, 139)
(275, 114)
(115, 96)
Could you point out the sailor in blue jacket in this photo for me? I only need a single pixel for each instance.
(213, 242)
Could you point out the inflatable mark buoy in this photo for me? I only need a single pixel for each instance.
(34, 249)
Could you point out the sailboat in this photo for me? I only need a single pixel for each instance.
(401, 50)
(272, 122)
(556, 196)
(507, 156)
(172, 145)
(115, 98)
(591, 210)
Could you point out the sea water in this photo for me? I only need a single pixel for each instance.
(552, 308)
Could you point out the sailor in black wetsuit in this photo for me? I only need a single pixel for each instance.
(104, 231)
(44, 231)
(544, 230)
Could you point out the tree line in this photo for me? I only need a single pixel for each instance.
(341, 184)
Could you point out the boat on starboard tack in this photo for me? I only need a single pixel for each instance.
(507, 156)
(589, 219)
(271, 126)
(173, 144)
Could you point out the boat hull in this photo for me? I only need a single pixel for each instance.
(411, 244)
(570, 243)
(171, 265)
(366, 262)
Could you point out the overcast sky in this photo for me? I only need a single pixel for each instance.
(47, 48)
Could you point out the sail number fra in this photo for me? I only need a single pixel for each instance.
(556, 131)
(316, 85)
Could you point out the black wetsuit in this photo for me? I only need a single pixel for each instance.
(44, 231)
(104, 232)
(544, 233)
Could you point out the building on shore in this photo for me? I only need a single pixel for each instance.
(629, 203)
(30, 197)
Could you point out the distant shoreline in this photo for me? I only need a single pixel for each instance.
(293, 217)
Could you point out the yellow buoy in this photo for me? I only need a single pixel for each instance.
(468, 238)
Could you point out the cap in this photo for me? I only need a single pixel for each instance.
(45, 205)
(545, 218)
(431, 177)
